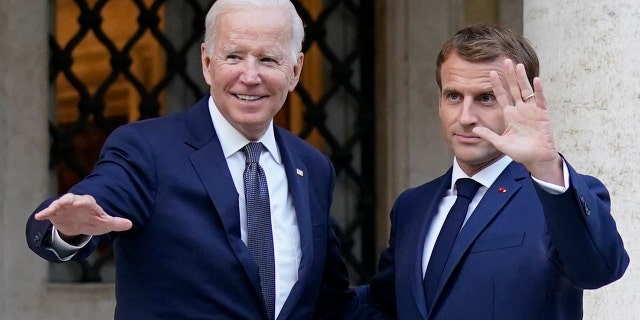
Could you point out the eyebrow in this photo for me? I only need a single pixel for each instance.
(447, 91)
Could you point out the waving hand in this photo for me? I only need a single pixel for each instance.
(80, 215)
(528, 136)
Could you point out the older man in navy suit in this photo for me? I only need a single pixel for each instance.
(170, 192)
(532, 236)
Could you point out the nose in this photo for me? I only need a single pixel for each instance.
(250, 73)
(467, 113)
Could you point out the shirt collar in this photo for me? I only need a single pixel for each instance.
(486, 176)
(234, 141)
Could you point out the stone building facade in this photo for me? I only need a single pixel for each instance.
(589, 65)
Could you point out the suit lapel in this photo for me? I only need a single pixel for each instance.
(424, 210)
(298, 181)
(211, 165)
(491, 204)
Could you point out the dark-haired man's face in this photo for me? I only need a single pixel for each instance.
(467, 101)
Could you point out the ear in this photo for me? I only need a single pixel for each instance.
(297, 69)
(206, 64)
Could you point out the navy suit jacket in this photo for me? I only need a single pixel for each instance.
(523, 253)
(184, 258)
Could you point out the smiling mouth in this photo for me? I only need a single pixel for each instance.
(247, 97)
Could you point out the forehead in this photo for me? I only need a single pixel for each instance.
(253, 25)
(457, 72)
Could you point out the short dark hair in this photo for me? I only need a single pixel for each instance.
(486, 43)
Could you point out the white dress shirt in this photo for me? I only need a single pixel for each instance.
(486, 177)
(284, 224)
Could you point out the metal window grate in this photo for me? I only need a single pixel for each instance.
(342, 116)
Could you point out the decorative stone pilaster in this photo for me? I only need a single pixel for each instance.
(591, 76)
(25, 292)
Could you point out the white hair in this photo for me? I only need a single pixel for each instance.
(221, 6)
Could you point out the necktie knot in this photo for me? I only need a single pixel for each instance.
(467, 188)
(252, 152)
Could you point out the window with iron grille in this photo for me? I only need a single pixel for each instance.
(117, 61)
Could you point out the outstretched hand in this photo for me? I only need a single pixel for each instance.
(528, 136)
(80, 215)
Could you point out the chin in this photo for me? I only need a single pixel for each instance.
(472, 158)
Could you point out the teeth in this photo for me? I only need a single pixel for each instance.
(249, 98)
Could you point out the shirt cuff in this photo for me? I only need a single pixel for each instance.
(554, 188)
(64, 250)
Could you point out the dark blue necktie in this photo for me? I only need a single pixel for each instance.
(466, 189)
(260, 237)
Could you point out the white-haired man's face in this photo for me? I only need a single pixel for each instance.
(250, 70)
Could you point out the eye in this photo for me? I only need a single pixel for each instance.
(269, 60)
(487, 99)
(233, 57)
(452, 96)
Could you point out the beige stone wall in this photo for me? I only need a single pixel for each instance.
(591, 70)
(24, 177)
(23, 145)
(409, 145)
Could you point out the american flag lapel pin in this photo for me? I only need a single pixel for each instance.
(300, 172)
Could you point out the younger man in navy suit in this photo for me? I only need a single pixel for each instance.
(535, 234)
